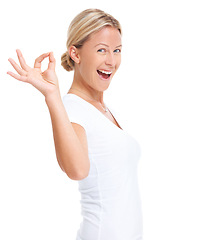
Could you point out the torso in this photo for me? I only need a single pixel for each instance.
(110, 198)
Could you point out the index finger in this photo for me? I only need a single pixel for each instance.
(38, 60)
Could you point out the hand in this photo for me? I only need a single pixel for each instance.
(46, 82)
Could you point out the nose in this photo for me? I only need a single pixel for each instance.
(110, 59)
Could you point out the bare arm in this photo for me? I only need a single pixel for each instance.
(70, 140)
(71, 151)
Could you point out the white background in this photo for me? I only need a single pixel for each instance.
(154, 93)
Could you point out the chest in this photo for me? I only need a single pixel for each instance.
(111, 118)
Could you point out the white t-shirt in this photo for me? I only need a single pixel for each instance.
(110, 198)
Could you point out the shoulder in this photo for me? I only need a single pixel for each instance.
(77, 112)
(73, 104)
(68, 98)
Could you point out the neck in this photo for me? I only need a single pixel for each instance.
(85, 90)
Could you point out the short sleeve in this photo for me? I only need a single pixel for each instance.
(76, 111)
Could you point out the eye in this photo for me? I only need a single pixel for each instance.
(101, 50)
(117, 50)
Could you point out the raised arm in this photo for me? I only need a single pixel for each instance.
(71, 149)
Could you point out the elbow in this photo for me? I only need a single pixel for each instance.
(78, 176)
(76, 171)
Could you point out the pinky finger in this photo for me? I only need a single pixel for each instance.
(18, 77)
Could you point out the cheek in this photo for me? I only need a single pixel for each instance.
(88, 71)
(90, 62)
(118, 62)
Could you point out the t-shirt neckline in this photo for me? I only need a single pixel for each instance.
(93, 107)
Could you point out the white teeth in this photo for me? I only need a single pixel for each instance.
(105, 72)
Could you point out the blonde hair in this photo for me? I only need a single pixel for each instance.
(82, 26)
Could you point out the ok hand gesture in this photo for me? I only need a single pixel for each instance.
(46, 82)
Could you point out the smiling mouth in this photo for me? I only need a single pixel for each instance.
(104, 74)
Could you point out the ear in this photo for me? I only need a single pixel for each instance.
(74, 54)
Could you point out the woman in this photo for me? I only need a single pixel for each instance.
(91, 146)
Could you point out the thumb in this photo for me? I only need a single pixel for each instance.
(51, 64)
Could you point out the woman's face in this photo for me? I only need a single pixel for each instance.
(99, 58)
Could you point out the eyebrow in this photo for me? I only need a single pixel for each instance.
(105, 45)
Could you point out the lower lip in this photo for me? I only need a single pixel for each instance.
(104, 79)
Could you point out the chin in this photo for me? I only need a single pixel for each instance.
(103, 88)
